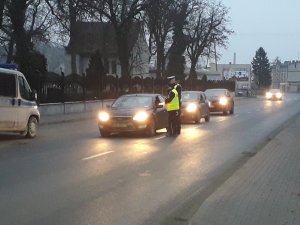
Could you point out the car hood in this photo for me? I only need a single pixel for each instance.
(213, 98)
(115, 112)
(184, 104)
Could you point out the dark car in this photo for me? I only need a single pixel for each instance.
(220, 100)
(194, 106)
(143, 113)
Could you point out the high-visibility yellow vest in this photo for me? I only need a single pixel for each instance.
(174, 104)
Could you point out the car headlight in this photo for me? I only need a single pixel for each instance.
(141, 116)
(223, 101)
(103, 116)
(278, 95)
(191, 107)
(268, 95)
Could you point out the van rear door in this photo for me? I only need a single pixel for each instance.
(8, 104)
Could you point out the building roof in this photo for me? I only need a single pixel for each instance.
(91, 36)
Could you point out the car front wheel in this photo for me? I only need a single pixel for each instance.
(198, 117)
(232, 110)
(31, 128)
(104, 133)
(207, 118)
(151, 129)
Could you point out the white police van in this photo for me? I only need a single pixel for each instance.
(18, 108)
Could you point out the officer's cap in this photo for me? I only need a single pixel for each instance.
(171, 77)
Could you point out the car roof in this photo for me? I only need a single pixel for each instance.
(192, 92)
(142, 95)
(219, 89)
(10, 71)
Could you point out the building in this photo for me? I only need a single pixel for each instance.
(241, 73)
(286, 76)
(92, 36)
(279, 73)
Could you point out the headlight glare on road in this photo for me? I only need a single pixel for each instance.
(103, 116)
(141, 116)
(191, 107)
(223, 101)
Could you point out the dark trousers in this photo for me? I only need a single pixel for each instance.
(178, 122)
(174, 122)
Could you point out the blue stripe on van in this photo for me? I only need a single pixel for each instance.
(27, 103)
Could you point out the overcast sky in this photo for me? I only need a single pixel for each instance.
(271, 24)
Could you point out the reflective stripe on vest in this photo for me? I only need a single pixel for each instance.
(174, 104)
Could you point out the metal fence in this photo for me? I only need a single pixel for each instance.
(59, 88)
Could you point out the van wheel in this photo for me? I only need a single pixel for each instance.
(31, 128)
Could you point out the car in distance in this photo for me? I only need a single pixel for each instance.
(274, 94)
(194, 106)
(142, 113)
(220, 100)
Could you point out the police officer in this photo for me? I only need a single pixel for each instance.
(177, 86)
(173, 106)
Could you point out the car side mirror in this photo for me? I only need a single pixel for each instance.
(33, 95)
(160, 105)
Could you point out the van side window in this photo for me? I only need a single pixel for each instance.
(24, 88)
(7, 85)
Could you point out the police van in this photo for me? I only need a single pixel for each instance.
(18, 108)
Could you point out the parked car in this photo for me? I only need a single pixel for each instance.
(144, 113)
(220, 100)
(18, 107)
(194, 106)
(274, 94)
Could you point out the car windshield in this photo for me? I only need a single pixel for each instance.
(215, 92)
(133, 102)
(189, 96)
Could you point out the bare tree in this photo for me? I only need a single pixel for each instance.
(67, 13)
(159, 23)
(33, 21)
(2, 6)
(122, 14)
(208, 27)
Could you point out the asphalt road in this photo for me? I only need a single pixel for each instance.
(69, 175)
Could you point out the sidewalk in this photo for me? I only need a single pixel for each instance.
(64, 118)
(265, 191)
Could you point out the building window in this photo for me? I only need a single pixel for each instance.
(114, 67)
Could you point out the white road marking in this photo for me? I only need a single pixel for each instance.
(158, 138)
(97, 155)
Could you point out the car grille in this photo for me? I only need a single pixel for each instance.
(121, 119)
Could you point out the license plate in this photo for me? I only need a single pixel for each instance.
(119, 125)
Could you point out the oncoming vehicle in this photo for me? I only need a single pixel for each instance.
(194, 106)
(220, 100)
(18, 108)
(143, 113)
(274, 94)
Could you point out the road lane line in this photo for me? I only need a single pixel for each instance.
(158, 138)
(97, 155)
